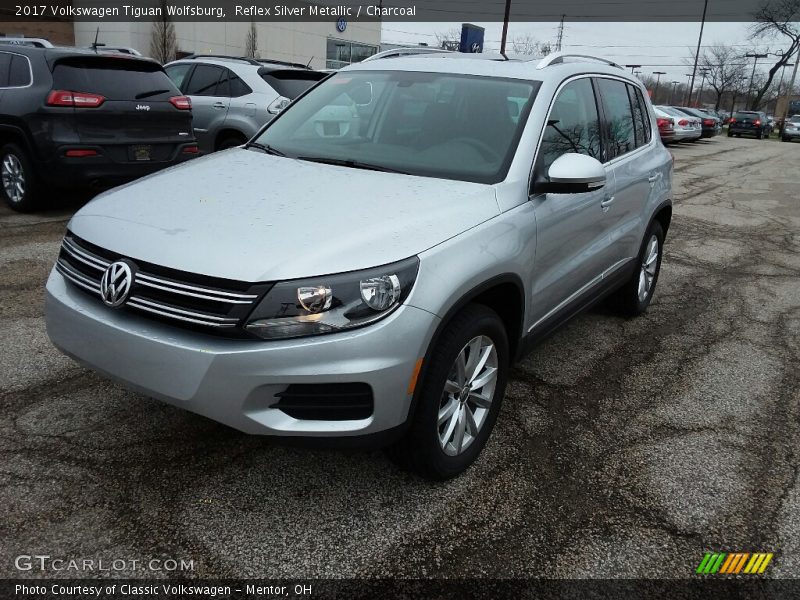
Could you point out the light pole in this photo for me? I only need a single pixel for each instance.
(632, 67)
(672, 93)
(704, 73)
(658, 75)
(752, 75)
(687, 98)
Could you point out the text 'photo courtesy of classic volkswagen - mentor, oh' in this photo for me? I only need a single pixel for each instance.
(371, 263)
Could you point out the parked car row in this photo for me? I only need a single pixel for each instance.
(685, 124)
(73, 118)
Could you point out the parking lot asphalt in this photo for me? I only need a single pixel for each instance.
(624, 448)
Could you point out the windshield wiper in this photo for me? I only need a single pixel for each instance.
(148, 94)
(265, 148)
(353, 164)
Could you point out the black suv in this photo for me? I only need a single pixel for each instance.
(749, 122)
(71, 118)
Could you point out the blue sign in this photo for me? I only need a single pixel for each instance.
(341, 24)
(471, 38)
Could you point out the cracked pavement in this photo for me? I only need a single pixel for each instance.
(619, 440)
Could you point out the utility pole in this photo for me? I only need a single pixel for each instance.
(697, 54)
(752, 75)
(672, 93)
(658, 82)
(789, 92)
(505, 28)
(704, 73)
(560, 34)
(780, 84)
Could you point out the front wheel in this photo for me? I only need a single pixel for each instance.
(634, 297)
(459, 397)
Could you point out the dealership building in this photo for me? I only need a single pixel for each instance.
(328, 44)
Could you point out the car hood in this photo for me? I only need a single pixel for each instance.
(249, 216)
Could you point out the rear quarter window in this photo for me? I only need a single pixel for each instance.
(113, 78)
(290, 83)
(20, 73)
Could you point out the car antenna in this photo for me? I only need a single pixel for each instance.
(96, 44)
(308, 64)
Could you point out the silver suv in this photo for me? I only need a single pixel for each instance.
(232, 98)
(369, 266)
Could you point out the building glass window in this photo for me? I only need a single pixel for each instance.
(341, 53)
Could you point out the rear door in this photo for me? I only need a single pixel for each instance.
(209, 103)
(130, 114)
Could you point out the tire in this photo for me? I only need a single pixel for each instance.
(730, 134)
(230, 141)
(628, 299)
(18, 181)
(422, 449)
(784, 138)
(759, 135)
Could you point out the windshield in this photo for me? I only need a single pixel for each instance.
(430, 124)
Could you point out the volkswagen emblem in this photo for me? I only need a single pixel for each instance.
(115, 286)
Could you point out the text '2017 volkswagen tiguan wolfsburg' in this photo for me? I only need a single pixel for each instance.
(371, 263)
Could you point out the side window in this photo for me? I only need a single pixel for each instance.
(20, 74)
(641, 122)
(178, 73)
(573, 125)
(618, 126)
(5, 66)
(204, 81)
(238, 87)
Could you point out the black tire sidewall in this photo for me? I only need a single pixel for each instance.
(473, 321)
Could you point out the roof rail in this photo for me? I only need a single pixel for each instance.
(26, 41)
(558, 58)
(269, 61)
(246, 59)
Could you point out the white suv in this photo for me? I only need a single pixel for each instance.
(369, 266)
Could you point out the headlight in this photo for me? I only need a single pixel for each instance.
(332, 303)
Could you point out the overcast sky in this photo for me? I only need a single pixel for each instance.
(655, 46)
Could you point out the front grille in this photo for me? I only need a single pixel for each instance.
(182, 299)
(326, 401)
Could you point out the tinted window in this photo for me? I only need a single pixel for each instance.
(292, 83)
(237, 87)
(20, 74)
(641, 120)
(619, 117)
(114, 78)
(430, 124)
(204, 81)
(178, 73)
(573, 125)
(5, 65)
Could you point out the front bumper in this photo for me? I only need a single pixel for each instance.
(235, 381)
(791, 134)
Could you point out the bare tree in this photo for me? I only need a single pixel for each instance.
(723, 66)
(527, 44)
(162, 37)
(449, 40)
(779, 19)
(251, 45)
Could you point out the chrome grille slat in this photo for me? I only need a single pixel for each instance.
(158, 305)
(206, 293)
(138, 306)
(77, 278)
(186, 303)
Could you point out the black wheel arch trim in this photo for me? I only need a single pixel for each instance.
(514, 338)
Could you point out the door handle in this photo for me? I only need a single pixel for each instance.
(218, 105)
(607, 202)
(653, 178)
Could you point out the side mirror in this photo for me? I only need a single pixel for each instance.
(572, 174)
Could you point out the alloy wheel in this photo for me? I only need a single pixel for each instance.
(13, 178)
(647, 274)
(468, 395)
